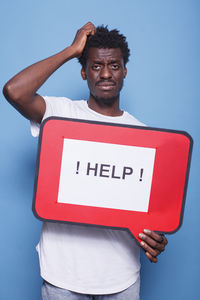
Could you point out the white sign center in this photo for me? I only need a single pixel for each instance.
(106, 175)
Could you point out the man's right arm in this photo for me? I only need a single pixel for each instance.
(21, 90)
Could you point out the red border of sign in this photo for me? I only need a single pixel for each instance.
(174, 171)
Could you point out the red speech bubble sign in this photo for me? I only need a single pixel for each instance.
(106, 174)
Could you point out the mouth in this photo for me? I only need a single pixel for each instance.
(105, 85)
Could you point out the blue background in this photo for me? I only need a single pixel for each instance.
(161, 89)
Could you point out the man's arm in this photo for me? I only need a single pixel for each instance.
(153, 244)
(21, 90)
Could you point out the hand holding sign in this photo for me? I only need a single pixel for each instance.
(112, 175)
(152, 243)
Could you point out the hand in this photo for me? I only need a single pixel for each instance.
(81, 38)
(152, 243)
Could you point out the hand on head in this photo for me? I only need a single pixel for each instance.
(81, 38)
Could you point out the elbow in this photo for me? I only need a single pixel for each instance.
(9, 92)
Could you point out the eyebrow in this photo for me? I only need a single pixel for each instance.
(97, 62)
(113, 61)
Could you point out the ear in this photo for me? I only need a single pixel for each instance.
(125, 72)
(83, 74)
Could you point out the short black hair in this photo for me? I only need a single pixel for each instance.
(104, 38)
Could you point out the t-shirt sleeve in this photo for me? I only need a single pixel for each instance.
(54, 107)
(35, 127)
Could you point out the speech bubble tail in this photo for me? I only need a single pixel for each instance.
(135, 231)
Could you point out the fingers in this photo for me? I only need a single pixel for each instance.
(150, 252)
(152, 243)
(155, 240)
(87, 29)
(81, 38)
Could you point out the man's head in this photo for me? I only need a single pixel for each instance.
(104, 65)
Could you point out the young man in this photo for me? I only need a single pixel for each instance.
(78, 262)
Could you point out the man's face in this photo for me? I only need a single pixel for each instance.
(105, 73)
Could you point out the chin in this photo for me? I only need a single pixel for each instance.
(105, 101)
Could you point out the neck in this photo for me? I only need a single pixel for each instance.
(108, 109)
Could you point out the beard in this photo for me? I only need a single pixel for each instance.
(105, 101)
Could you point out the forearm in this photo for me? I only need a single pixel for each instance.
(23, 86)
(21, 90)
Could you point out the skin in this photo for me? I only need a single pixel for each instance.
(104, 72)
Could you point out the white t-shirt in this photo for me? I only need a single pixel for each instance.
(84, 259)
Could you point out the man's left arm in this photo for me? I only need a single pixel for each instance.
(152, 243)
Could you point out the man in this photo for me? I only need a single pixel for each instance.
(78, 262)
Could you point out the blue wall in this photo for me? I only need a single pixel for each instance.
(161, 90)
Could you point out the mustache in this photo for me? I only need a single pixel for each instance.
(102, 81)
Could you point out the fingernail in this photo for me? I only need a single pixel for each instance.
(147, 231)
(142, 243)
(141, 235)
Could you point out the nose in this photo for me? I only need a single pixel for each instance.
(105, 73)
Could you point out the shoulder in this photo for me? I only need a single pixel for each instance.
(59, 105)
(56, 101)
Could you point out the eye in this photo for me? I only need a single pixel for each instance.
(96, 67)
(115, 67)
